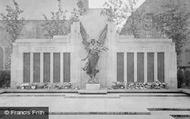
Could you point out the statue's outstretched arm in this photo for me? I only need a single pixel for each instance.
(85, 57)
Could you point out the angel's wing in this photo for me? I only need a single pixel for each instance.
(84, 35)
(103, 35)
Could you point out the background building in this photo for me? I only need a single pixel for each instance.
(145, 27)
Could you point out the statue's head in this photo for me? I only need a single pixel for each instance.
(93, 41)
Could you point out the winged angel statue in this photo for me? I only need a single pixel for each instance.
(94, 48)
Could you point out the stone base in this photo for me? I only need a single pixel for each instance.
(92, 91)
(92, 86)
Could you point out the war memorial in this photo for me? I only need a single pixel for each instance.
(124, 59)
(94, 72)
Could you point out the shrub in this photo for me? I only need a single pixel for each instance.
(187, 78)
(5, 79)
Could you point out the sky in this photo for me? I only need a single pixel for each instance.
(34, 9)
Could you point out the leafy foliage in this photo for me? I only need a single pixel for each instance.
(131, 25)
(173, 23)
(57, 23)
(12, 20)
(13, 24)
(81, 7)
(77, 12)
(117, 11)
(5, 79)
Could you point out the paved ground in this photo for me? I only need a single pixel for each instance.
(110, 106)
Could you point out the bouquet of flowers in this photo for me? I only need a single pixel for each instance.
(139, 85)
(66, 85)
(118, 85)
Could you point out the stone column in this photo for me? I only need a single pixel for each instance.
(16, 78)
(135, 66)
(31, 67)
(155, 67)
(51, 67)
(145, 67)
(125, 66)
(112, 37)
(61, 67)
(41, 67)
(171, 66)
(75, 43)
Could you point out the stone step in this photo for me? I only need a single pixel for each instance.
(110, 117)
(92, 91)
(92, 96)
(100, 113)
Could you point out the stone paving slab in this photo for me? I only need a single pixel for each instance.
(61, 104)
(109, 106)
(90, 91)
(159, 102)
(126, 104)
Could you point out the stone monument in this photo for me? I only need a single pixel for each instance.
(93, 54)
(93, 48)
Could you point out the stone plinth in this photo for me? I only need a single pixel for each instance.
(92, 86)
(92, 91)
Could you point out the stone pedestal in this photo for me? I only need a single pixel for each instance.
(92, 86)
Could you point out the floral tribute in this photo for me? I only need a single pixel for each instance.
(139, 85)
(65, 85)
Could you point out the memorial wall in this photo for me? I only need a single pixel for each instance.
(126, 60)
